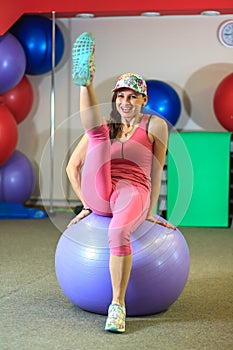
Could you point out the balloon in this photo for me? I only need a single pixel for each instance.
(17, 178)
(164, 100)
(19, 100)
(223, 102)
(12, 62)
(8, 134)
(35, 34)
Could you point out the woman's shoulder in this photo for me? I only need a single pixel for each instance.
(157, 126)
(156, 120)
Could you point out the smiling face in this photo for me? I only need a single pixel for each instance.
(129, 104)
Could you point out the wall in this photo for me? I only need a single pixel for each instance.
(183, 51)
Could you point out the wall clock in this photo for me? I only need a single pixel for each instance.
(225, 33)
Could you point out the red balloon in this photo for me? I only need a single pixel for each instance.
(8, 134)
(19, 100)
(223, 102)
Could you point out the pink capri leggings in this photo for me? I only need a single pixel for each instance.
(127, 204)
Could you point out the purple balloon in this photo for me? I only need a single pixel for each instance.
(161, 263)
(17, 179)
(12, 62)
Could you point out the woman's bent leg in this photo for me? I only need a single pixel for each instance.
(129, 211)
(129, 207)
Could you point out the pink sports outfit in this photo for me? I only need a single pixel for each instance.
(116, 182)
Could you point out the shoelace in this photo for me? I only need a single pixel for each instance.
(117, 312)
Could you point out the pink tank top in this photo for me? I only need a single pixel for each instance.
(132, 160)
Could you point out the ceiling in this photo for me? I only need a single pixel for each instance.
(11, 10)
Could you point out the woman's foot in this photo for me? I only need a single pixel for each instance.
(83, 68)
(116, 318)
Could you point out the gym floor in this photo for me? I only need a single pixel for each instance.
(35, 314)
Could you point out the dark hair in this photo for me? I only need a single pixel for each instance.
(114, 122)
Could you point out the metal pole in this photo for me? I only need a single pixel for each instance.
(52, 116)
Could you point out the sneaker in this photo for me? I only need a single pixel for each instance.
(83, 59)
(116, 318)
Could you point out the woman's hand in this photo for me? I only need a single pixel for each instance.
(151, 218)
(82, 214)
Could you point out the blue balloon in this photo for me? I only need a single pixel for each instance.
(35, 35)
(163, 100)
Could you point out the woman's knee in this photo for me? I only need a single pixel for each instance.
(122, 250)
(119, 240)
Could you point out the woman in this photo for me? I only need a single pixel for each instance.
(122, 161)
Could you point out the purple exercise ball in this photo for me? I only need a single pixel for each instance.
(160, 269)
(12, 62)
(17, 179)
